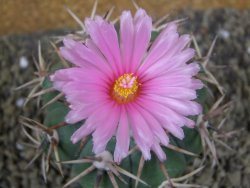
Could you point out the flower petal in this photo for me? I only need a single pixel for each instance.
(166, 64)
(171, 92)
(106, 127)
(127, 38)
(142, 35)
(82, 132)
(135, 37)
(163, 43)
(82, 56)
(141, 132)
(95, 120)
(105, 37)
(159, 152)
(122, 137)
(154, 125)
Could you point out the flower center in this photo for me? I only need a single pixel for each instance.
(125, 88)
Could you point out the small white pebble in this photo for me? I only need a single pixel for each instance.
(23, 62)
(20, 102)
(19, 146)
(248, 50)
(224, 33)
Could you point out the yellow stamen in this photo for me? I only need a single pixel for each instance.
(125, 88)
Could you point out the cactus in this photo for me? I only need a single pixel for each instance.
(151, 171)
(176, 162)
(91, 170)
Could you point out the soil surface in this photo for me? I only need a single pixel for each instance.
(43, 15)
(230, 63)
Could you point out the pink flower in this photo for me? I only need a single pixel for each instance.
(124, 86)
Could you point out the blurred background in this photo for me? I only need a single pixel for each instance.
(25, 22)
